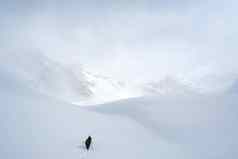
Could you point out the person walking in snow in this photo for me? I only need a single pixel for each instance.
(88, 142)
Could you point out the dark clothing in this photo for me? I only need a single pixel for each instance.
(88, 142)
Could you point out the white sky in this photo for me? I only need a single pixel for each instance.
(140, 40)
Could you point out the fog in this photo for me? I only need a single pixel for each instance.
(139, 40)
(69, 67)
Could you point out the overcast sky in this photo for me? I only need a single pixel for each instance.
(140, 40)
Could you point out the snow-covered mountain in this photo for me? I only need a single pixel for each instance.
(36, 126)
(75, 84)
(71, 84)
(33, 125)
(44, 75)
(213, 82)
(168, 86)
(106, 89)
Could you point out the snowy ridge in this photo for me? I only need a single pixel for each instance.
(106, 89)
(168, 86)
(75, 84)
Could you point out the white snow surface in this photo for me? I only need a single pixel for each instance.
(106, 89)
(40, 127)
(44, 75)
(203, 125)
(180, 126)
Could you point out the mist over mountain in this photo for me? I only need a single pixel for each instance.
(77, 85)
(146, 79)
(169, 86)
(173, 121)
(38, 72)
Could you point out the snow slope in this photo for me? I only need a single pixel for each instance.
(168, 86)
(206, 125)
(33, 125)
(73, 83)
(106, 89)
(44, 75)
(39, 127)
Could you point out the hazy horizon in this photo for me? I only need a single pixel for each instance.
(139, 41)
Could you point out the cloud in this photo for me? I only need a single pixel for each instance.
(136, 40)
